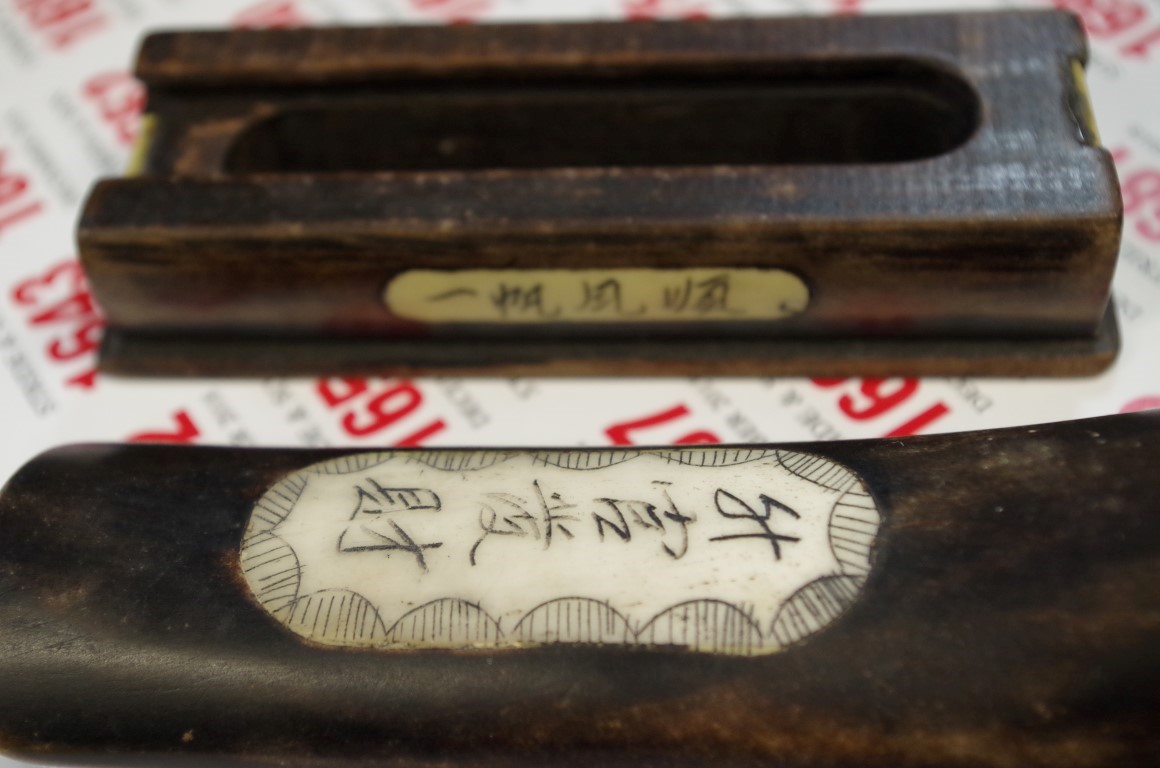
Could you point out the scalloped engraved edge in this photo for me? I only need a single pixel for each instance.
(715, 550)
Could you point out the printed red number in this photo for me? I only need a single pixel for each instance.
(420, 435)
(640, 10)
(454, 11)
(15, 205)
(1116, 18)
(383, 410)
(921, 421)
(620, 433)
(25, 293)
(12, 186)
(369, 411)
(60, 297)
(86, 380)
(879, 396)
(184, 431)
(119, 97)
(335, 392)
(276, 14)
(83, 341)
(77, 306)
(62, 22)
(1141, 47)
(1106, 18)
(1146, 403)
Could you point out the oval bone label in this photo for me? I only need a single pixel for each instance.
(596, 295)
(720, 550)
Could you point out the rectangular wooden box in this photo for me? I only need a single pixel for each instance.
(856, 195)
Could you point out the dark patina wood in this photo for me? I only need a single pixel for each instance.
(1010, 617)
(933, 186)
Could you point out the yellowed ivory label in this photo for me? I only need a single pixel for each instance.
(139, 156)
(721, 550)
(1085, 114)
(595, 295)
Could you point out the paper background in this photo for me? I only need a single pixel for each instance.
(69, 113)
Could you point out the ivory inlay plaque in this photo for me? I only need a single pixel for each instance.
(596, 295)
(724, 550)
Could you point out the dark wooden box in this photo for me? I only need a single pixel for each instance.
(857, 195)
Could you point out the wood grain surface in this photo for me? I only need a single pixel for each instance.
(935, 182)
(1010, 618)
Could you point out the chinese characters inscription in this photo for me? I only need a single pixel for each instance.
(626, 295)
(710, 549)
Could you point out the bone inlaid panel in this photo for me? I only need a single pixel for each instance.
(723, 550)
(596, 295)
